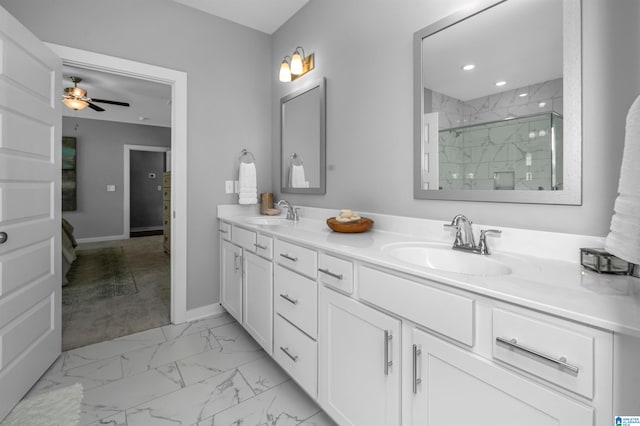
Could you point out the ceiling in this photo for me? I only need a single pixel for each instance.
(151, 102)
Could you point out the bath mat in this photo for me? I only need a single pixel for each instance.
(98, 274)
(59, 407)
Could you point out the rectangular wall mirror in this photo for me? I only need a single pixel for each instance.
(303, 141)
(497, 104)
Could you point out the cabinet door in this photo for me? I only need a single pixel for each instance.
(359, 377)
(258, 299)
(231, 279)
(458, 387)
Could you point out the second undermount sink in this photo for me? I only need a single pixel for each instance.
(443, 258)
(269, 221)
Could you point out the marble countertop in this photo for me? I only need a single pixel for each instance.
(555, 284)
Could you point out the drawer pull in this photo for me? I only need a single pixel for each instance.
(260, 246)
(331, 274)
(288, 299)
(223, 231)
(387, 363)
(562, 362)
(237, 257)
(287, 353)
(416, 380)
(291, 258)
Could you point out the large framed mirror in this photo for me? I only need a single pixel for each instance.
(303, 140)
(498, 104)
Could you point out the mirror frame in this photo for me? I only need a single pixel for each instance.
(323, 139)
(571, 193)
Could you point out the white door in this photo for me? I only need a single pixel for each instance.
(231, 285)
(30, 150)
(258, 299)
(359, 365)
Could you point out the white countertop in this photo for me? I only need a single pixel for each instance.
(546, 272)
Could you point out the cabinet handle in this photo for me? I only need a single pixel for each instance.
(223, 231)
(288, 299)
(237, 256)
(562, 361)
(287, 353)
(260, 246)
(387, 363)
(416, 380)
(331, 274)
(291, 258)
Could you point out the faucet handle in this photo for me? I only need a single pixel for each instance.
(458, 241)
(482, 244)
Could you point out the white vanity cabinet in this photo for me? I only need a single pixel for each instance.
(257, 300)
(231, 278)
(359, 362)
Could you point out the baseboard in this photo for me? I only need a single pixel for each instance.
(100, 239)
(204, 311)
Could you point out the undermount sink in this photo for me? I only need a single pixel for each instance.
(443, 258)
(269, 221)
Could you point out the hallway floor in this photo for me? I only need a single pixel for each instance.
(117, 316)
(207, 372)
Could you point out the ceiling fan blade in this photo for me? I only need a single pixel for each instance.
(95, 107)
(104, 101)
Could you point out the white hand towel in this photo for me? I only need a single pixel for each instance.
(247, 185)
(624, 238)
(297, 176)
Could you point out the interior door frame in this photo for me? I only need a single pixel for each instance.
(127, 179)
(178, 82)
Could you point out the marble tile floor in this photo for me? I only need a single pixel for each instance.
(207, 372)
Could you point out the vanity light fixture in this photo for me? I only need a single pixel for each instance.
(296, 65)
(501, 83)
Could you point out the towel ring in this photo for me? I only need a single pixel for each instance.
(296, 160)
(246, 155)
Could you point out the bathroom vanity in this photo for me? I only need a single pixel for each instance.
(379, 337)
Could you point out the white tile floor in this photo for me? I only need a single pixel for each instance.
(208, 372)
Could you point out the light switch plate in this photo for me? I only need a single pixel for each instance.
(111, 188)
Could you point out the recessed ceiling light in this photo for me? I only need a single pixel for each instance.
(542, 104)
(501, 83)
(522, 95)
(468, 67)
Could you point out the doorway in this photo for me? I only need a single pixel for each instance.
(178, 82)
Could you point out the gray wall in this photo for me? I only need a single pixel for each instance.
(229, 91)
(100, 162)
(145, 208)
(365, 51)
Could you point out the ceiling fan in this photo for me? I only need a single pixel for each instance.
(76, 98)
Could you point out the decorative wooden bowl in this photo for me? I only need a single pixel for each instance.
(361, 225)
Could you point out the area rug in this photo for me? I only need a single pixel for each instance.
(59, 407)
(98, 274)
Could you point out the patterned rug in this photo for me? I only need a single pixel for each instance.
(59, 407)
(98, 274)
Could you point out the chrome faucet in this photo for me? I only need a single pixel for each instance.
(464, 239)
(292, 212)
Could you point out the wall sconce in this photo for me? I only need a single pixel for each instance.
(296, 65)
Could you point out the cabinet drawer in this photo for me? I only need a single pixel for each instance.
(534, 344)
(443, 312)
(299, 259)
(166, 194)
(295, 298)
(335, 272)
(297, 355)
(264, 246)
(166, 180)
(224, 229)
(244, 238)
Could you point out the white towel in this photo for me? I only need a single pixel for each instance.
(297, 176)
(624, 238)
(247, 185)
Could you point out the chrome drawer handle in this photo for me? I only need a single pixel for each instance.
(291, 258)
(387, 363)
(416, 380)
(331, 274)
(288, 299)
(256, 245)
(287, 353)
(562, 362)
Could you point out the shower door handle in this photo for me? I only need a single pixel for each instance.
(3, 237)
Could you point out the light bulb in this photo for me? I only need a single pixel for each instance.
(76, 104)
(285, 71)
(296, 63)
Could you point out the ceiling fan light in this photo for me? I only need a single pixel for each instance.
(76, 104)
(296, 62)
(285, 71)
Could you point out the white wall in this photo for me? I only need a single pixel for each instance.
(364, 49)
(229, 91)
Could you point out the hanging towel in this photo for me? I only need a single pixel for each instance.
(624, 238)
(247, 186)
(297, 176)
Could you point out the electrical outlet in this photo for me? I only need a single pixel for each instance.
(228, 187)
(111, 188)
